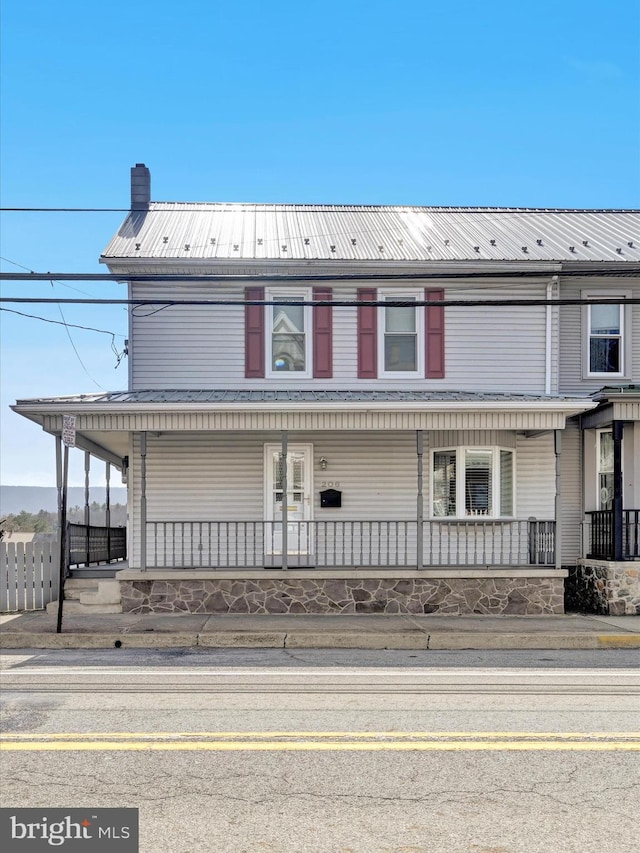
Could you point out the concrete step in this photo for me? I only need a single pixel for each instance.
(90, 596)
(77, 607)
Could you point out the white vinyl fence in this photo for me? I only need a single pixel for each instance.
(29, 575)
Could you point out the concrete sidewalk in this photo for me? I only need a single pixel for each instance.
(37, 630)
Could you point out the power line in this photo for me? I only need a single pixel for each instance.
(340, 303)
(60, 323)
(629, 269)
(29, 270)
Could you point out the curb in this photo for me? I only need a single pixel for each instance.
(410, 641)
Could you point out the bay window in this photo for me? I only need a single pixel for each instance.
(472, 482)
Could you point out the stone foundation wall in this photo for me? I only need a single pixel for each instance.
(454, 596)
(598, 586)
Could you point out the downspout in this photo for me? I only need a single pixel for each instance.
(548, 340)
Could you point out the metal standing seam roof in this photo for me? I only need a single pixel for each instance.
(206, 397)
(184, 230)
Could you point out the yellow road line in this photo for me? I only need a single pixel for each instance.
(324, 734)
(322, 746)
(632, 640)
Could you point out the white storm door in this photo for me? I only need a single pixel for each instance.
(298, 498)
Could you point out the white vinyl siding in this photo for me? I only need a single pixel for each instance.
(498, 349)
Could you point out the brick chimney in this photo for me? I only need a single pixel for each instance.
(140, 187)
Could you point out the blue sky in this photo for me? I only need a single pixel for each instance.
(465, 103)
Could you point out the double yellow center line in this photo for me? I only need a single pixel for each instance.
(279, 741)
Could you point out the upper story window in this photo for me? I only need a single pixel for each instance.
(288, 334)
(606, 339)
(606, 336)
(286, 339)
(401, 335)
(473, 482)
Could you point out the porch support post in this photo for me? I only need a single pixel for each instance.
(557, 446)
(107, 507)
(420, 500)
(87, 511)
(618, 430)
(285, 499)
(59, 476)
(143, 501)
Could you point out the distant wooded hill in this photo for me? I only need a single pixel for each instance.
(15, 499)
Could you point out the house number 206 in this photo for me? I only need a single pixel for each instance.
(330, 484)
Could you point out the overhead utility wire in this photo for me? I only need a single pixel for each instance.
(340, 303)
(29, 270)
(60, 323)
(551, 269)
(75, 349)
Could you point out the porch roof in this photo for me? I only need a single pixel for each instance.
(104, 421)
(266, 397)
(615, 403)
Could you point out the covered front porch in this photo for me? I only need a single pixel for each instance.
(356, 502)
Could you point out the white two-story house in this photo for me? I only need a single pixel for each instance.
(357, 409)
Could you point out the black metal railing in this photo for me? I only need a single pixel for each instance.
(88, 544)
(357, 543)
(601, 544)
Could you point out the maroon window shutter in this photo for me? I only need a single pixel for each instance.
(434, 328)
(367, 335)
(322, 334)
(254, 334)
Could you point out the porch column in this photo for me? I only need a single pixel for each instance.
(285, 499)
(557, 446)
(420, 500)
(618, 430)
(107, 507)
(87, 511)
(143, 501)
(59, 477)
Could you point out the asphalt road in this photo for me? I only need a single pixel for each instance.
(353, 752)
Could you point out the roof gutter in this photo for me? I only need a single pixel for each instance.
(29, 408)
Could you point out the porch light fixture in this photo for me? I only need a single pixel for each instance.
(323, 463)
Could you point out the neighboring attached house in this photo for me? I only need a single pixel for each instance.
(600, 357)
(356, 409)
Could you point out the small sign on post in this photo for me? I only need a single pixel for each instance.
(69, 430)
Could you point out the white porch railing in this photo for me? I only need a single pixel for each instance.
(256, 544)
(29, 575)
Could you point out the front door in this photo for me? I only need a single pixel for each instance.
(299, 504)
